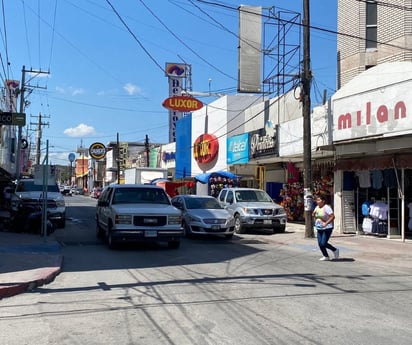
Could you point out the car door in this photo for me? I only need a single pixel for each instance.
(228, 202)
(103, 207)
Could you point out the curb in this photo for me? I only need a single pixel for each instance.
(42, 276)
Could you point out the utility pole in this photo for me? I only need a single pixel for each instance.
(147, 149)
(307, 137)
(118, 158)
(39, 125)
(23, 89)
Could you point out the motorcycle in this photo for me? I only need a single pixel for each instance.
(28, 219)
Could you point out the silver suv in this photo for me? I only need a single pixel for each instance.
(253, 209)
(132, 212)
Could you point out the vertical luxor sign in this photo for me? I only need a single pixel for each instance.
(12, 88)
(250, 43)
(176, 74)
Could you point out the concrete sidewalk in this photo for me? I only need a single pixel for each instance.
(28, 261)
(379, 251)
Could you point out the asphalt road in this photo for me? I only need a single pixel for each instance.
(248, 290)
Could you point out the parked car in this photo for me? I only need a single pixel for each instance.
(67, 190)
(253, 209)
(134, 213)
(204, 215)
(31, 195)
(96, 192)
(78, 190)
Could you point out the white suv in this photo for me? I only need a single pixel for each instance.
(132, 212)
(253, 209)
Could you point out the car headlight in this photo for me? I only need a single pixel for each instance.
(123, 219)
(194, 219)
(174, 220)
(60, 203)
(281, 211)
(249, 210)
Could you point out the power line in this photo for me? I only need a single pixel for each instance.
(134, 36)
(6, 73)
(182, 42)
(26, 32)
(320, 29)
(53, 32)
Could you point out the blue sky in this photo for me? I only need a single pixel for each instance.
(106, 77)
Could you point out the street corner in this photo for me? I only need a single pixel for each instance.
(18, 282)
(27, 262)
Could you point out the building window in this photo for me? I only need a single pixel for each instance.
(371, 24)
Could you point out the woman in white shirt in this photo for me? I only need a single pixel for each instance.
(324, 217)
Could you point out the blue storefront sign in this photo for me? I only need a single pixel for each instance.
(238, 149)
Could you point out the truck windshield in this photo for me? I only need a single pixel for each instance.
(29, 186)
(139, 196)
(252, 196)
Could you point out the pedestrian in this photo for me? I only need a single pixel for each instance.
(324, 217)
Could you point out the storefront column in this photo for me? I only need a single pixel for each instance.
(403, 205)
(337, 201)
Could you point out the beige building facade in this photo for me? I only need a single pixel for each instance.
(371, 33)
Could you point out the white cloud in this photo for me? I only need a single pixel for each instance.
(77, 92)
(80, 131)
(132, 89)
(70, 90)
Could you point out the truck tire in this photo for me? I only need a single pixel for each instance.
(99, 230)
(61, 224)
(280, 228)
(111, 243)
(186, 230)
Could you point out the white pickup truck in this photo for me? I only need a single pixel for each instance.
(31, 194)
(252, 209)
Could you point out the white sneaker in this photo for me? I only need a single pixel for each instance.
(336, 253)
(324, 258)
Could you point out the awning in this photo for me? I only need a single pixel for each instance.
(82, 174)
(375, 162)
(204, 178)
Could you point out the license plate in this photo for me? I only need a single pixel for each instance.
(215, 227)
(267, 221)
(150, 233)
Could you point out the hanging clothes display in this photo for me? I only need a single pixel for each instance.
(364, 178)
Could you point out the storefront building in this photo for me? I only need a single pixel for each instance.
(270, 154)
(372, 136)
(201, 145)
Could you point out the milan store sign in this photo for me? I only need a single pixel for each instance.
(262, 144)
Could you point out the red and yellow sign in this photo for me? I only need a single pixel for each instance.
(205, 148)
(182, 103)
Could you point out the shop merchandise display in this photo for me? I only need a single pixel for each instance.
(375, 219)
(292, 196)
